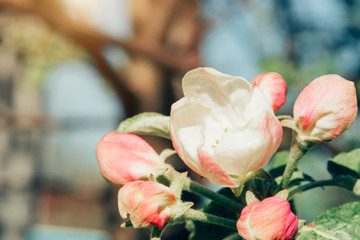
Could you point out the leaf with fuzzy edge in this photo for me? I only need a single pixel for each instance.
(259, 174)
(338, 223)
(149, 123)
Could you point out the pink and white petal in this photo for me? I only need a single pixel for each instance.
(116, 150)
(206, 83)
(292, 225)
(243, 223)
(216, 90)
(326, 102)
(188, 119)
(129, 196)
(144, 201)
(273, 86)
(150, 211)
(271, 225)
(265, 122)
(272, 133)
(213, 171)
(239, 149)
(257, 106)
(249, 146)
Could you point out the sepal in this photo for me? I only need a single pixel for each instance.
(284, 194)
(178, 184)
(166, 153)
(180, 209)
(249, 197)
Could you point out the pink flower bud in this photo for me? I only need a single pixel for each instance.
(274, 88)
(326, 107)
(148, 203)
(125, 157)
(267, 220)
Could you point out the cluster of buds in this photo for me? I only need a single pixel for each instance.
(223, 129)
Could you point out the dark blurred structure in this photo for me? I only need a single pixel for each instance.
(70, 70)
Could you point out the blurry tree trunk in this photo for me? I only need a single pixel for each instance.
(163, 47)
(166, 37)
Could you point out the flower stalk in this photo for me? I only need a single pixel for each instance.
(297, 151)
(339, 182)
(234, 236)
(199, 189)
(196, 215)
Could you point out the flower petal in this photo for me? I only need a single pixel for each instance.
(153, 211)
(273, 86)
(188, 120)
(267, 220)
(218, 127)
(326, 107)
(125, 157)
(272, 225)
(213, 171)
(217, 90)
(239, 148)
(243, 224)
(147, 202)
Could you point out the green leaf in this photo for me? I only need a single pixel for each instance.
(356, 188)
(258, 174)
(149, 123)
(345, 164)
(200, 231)
(338, 223)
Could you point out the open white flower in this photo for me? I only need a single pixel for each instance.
(223, 127)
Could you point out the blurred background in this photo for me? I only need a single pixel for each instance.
(71, 70)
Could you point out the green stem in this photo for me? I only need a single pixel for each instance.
(330, 182)
(234, 236)
(239, 189)
(196, 215)
(296, 152)
(199, 189)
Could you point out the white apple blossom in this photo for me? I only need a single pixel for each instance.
(223, 127)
